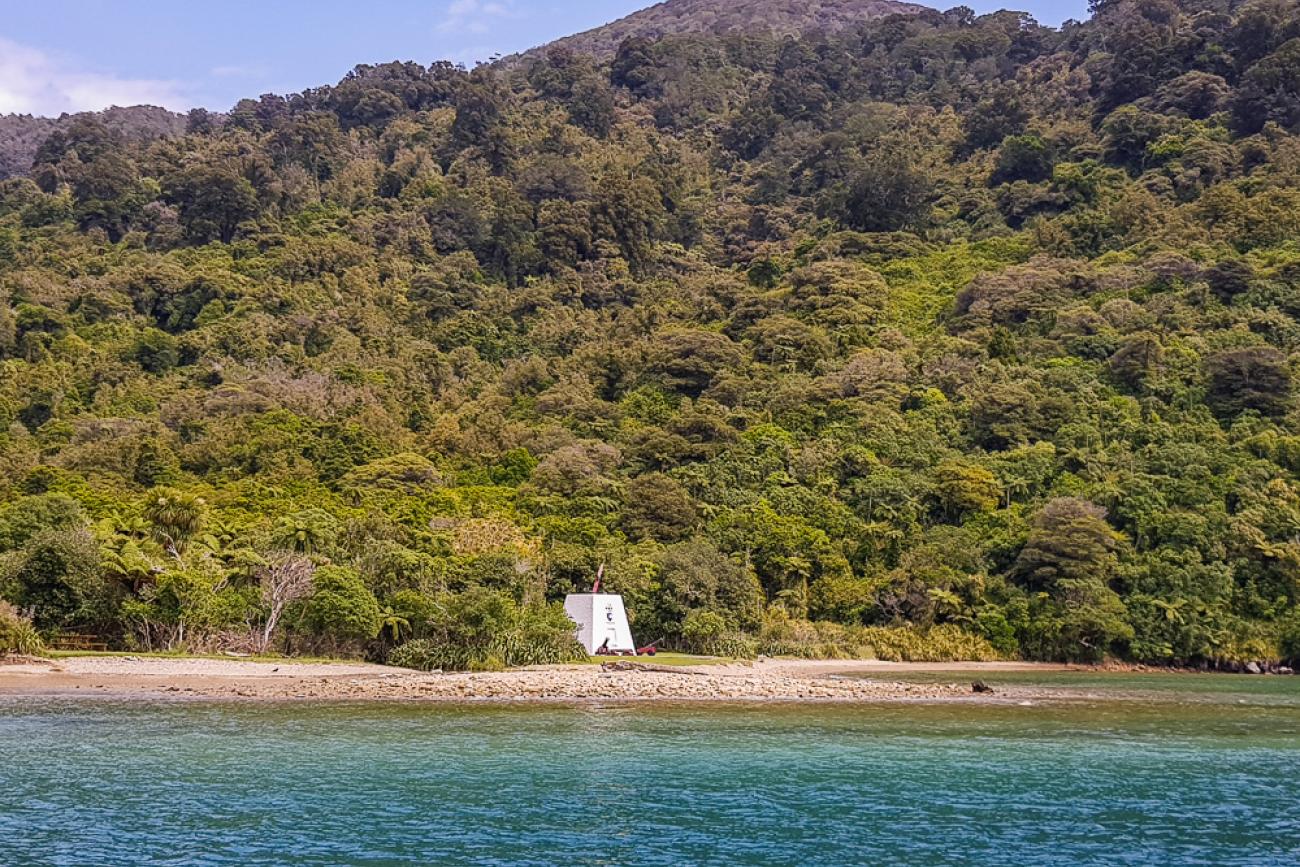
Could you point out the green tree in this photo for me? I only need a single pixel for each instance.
(341, 608)
(885, 194)
(213, 201)
(1023, 158)
(308, 532)
(1256, 377)
(55, 575)
(1270, 91)
(175, 518)
(965, 488)
(1070, 559)
(657, 507)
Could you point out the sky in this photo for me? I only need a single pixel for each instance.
(83, 55)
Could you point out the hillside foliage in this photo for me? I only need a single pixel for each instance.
(946, 323)
(21, 135)
(725, 17)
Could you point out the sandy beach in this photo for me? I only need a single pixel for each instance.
(763, 680)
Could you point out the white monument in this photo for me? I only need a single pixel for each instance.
(602, 622)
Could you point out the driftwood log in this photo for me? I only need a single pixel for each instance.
(626, 665)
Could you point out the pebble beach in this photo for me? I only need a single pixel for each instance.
(765, 680)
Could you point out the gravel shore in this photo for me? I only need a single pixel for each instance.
(769, 680)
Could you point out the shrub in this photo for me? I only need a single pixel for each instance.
(186, 608)
(946, 643)
(782, 636)
(54, 576)
(994, 626)
(17, 634)
(701, 627)
(342, 607)
(1246, 641)
(421, 654)
(706, 632)
(482, 630)
(785, 636)
(1291, 639)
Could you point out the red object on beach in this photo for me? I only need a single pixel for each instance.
(649, 650)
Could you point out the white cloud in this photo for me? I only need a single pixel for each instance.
(34, 82)
(477, 16)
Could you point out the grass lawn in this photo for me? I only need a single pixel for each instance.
(665, 658)
(163, 654)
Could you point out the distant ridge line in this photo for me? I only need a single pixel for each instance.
(724, 17)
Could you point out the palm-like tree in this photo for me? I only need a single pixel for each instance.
(305, 532)
(129, 564)
(393, 625)
(120, 523)
(1172, 610)
(947, 603)
(175, 517)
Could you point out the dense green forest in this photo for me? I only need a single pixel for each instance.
(942, 335)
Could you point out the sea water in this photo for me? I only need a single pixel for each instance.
(1211, 776)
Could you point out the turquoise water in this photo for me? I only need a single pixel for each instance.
(1127, 783)
(1161, 686)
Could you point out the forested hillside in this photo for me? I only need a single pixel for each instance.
(728, 18)
(21, 135)
(942, 335)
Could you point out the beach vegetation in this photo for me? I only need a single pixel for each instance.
(18, 634)
(483, 630)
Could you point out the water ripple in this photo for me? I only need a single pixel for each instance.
(209, 784)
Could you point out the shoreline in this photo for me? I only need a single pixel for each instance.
(766, 680)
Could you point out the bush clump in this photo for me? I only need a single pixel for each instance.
(945, 643)
(1290, 644)
(17, 634)
(805, 639)
(483, 630)
(783, 636)
(708, 634)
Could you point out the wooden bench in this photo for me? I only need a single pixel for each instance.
(73, 641)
